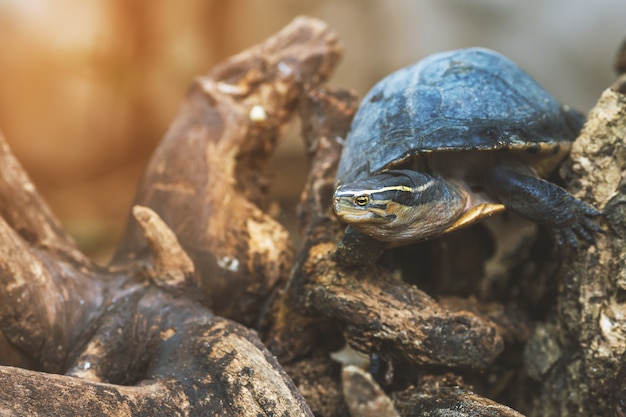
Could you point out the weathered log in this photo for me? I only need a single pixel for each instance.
(444, 396)
(440, 395)
(136, 338)
(579, 355)
(208, 366)
(207, 177)
(326, 114)
(48, 291)
(166, 354)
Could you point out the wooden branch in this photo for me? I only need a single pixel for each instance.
(398, 320)
(48, 294)
(326, 115)
(207, 366)
(173, 268)
(26, 213)
(166, 354)
(207, 179)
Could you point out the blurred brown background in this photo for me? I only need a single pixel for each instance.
(88, 88)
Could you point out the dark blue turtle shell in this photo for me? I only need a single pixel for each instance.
(468, 99)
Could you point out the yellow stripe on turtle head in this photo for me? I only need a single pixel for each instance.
(375, 190)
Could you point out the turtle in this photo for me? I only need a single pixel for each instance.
(451, 140)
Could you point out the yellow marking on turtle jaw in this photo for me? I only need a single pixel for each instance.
(350, 214)
(474, 214)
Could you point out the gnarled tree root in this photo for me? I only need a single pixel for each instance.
(135, 337)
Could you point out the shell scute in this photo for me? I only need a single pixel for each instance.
(466, 100)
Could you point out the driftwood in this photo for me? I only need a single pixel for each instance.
(136, 334)
(166, 328)
(207, 177)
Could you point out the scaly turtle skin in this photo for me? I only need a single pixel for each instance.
(452, 139)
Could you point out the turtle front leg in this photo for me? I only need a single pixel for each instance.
(543, 202)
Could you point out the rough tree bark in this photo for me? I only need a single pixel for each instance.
(207, 179)
(579, 352)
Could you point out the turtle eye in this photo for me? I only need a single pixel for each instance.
(361, 200)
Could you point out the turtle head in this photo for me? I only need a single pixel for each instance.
(399, 206)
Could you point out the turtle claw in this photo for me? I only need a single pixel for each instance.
(565, 238)
(577, 223)
(584, 234)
